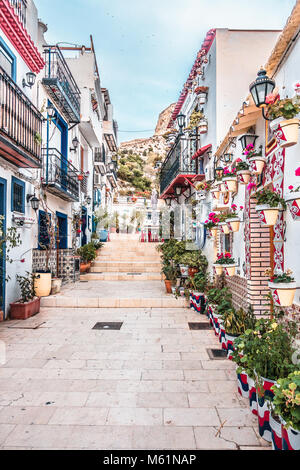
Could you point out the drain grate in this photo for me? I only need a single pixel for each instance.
(199, 326)
(108, 326)
(217, 354)
(134, 274)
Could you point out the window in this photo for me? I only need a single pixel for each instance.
(44, 238)
(17, 195)
(7, 60)
(227, 243)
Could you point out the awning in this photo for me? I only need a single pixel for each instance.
(201, 151)
(184, 180)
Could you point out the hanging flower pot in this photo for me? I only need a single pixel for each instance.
(229, 269)
(202, 98)
(233, 224)
(293, 201)
(218, 269)
(286, 131)
(267, 214)
(257, 164)
(215, 193)
(203, 126)
(224, 228)
(214, 232)
(244, 176)
(230, 184)
(283, 293)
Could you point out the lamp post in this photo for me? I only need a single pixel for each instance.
(181, 122)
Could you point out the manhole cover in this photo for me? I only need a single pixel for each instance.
(108, 326)
(199, 326)
(217, 354)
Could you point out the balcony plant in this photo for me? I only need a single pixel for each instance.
(292, 198)
(195, 262)
(226, 262)
(230, 179)
(255, 158)
(233, 221)
(286, 405)
(283, 288)
(212, 224)
(223, 224)
(243, 171)
(202, 92)
(284, 123)
(269, 203)
(29, 304)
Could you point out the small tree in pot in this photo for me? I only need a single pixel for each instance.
(29, 304)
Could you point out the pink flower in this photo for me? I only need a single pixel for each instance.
(227, 255)
(22, 260)
(271, 98)
(241, 207)
(291, 187)
(251, 186)
(206, 222)
(297, 172)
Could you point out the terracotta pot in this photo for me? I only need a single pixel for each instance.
(231, 184)
(224, 228)
(168, 285)
(268, 215)
(214, 232)
(1, 315)
(293, 202)
(215, 193)
(287, 131)
(19, 311)
(192, 272)
(244, 176)
(233, 224)
(283, 293)
(85, 267)
(42, 284)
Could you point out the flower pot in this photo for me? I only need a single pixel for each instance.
(230, 339)
(243, 385)
(252, 395)
(192, 272)
(1, 315)
(168, 285)
(85, 267)
(290, 437)
(244, 176)
(276, 431)
(202, 98)
(264, 399)
(55, 285)
(222, 335)
(233, 224)
(224, 228)
(283, 293)
(215, 193)
(184, 270)
(231, 184)
(257, 164)
(268, 215)
(203, 127)
(286, 131)
(218, 269)
(223, 188)
(42, 284)
(216, 323)
(229, 269)
(214, 232)
(293, 203)
(19, 311)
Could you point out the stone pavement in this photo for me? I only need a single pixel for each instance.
(150, 385)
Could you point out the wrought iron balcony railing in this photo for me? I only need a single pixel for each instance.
(178, 162)
(99, 157)
(20, 125)
(59, 175)
(20, 7)
(61, 84)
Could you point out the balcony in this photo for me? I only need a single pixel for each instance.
(110, 135)
(20, 7)
(60, 84)
(178, 168)
(60, 177)
(20, 126)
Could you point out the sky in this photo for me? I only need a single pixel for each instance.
(146, 48)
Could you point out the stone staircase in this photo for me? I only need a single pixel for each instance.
(126, 274)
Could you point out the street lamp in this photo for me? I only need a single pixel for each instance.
(34, 201)
(168, 201)
(51, 111)
(261, 88)
(30, 80)
(75, 143)
(227, 157)
(248, 139)
(177, 190)
(181, 122)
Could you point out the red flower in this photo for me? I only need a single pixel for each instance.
(227, 255)
(241, 207)
(291, 187)
(297, 172)
(22, 260)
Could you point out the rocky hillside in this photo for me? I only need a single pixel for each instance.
(146, 151)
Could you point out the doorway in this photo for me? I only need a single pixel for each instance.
(3, 185)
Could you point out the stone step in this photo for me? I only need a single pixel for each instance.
(117, 276)
(106, 302)
(125, 266)
(115, 257)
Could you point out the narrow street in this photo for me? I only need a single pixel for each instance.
(149, 385)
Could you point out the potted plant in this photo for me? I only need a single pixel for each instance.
(194, 261)
(256, 160)
(230, 179)
(283, 288)
(202, 92)
(198, 284)
(286, 405)
(87, 254)
(215, 191)
(223, 224)
(48, 243)
(225, 262)
(236, 322)
(232, 220)
(293, 200)
(243, 172)
(212, 224)
(202, 188)
(269, 203)
(29, 304)
(284, 123)
(170, 274)
(195, 119)
(203, 126)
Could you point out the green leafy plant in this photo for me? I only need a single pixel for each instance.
(170, 272)
(269, 197)
(287, 108)
(193, 259)
(242, 166)
(195, 118)
(199, 282)
(26, 284)
(37, 138)
(225, 258)
(287, 399)
(215, 295)
(87, 252)
(238, 321)
(282, 277)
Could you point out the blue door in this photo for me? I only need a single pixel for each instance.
(2, 256)
(84, 226)
(62, 220)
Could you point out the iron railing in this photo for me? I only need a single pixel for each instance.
(99, 157)
(20, 120)
(61, 84)
(20, 7)
(60, 175)
(177, 162)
